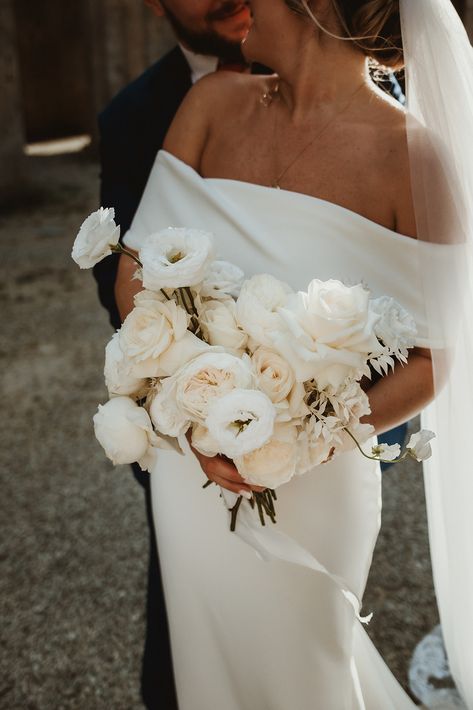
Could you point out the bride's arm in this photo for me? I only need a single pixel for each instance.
(403, 393)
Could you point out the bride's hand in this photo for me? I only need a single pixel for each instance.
(223, 472)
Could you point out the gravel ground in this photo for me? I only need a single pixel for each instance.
(73, 544)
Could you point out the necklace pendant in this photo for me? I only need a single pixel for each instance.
(266, 99)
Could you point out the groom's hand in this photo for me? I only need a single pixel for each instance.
(222, 471)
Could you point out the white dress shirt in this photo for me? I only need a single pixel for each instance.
(200, 64)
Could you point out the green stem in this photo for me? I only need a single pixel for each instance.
(119, 249)
(377, 458)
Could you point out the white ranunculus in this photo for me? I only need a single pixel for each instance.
(223, 280)
(275, 462)
(386, 452)
(395, 327)
(274, 375)
(258, 304)
(118, 370)
(329, 332)
(96, 235)
(168, 418)
(241, 421)
(207, 377)
(122, 428)
(175, 258)
(218, 322)
(419, 446)
(149, 330)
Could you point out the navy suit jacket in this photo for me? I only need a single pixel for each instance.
(132, 130)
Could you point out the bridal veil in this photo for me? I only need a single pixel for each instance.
(439, 73)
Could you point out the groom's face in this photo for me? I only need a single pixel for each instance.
(213, 27)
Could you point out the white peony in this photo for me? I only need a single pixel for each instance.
(218, 322)
(124, 430)
(175, 258)
(241, 421)
(118, 370)
(149, 330)
(329, 332)
(258, 304)
(168, 418)
(96, 235)
(203, 441)
(275, 462)
(419, 446)
(208, 377)
(274, 375)
(223, 280)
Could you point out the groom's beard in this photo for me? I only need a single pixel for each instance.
(208, 43)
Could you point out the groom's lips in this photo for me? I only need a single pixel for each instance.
(229, 10)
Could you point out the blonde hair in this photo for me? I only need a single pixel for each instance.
(372, 25)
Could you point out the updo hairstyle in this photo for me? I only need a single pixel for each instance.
(372, 25)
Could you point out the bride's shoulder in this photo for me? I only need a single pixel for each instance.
(208, 102)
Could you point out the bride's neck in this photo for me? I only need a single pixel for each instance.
(321, 75)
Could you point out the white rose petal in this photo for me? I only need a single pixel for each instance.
(275, 462)
(274, 375)
(175, 258)
(149, 330)
(241, 421)
(96, 235)
(329, 332)
(168, 418)
(387, 452)
(218, 322)
(257, 307)
(223, 280)
(180, 353)
(122, 427)
(203, 441)
(419, 446)
(118, 370)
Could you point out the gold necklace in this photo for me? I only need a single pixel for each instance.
(267, 99)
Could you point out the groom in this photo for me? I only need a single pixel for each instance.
(132, 130)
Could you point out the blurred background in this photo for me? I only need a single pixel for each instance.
(73, 549)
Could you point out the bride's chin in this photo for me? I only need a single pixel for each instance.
(251, 51)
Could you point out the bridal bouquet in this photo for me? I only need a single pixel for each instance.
(266, 376)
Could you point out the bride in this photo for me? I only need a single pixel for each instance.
(303, 174)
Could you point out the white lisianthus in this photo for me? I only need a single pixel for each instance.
(395, 328)
(329, 332)
(223, 280)
(208, 377)
(274, 463)
(419, 446)
(123, 428)
(149, 330)
(387, 452)
(118, 370)
(218, 322)
(175, 258)
(96, 235)
(274, 375)
(241, 421)
(257, 307)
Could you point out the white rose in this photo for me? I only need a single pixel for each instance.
(241, 421)
(275, 462)
(418, 445)
(168, 418)
(223, 280)
(176, 257)
(148, 331)
(207, 377)
(218, 322)
(118, 371)
(329, 332)
(122, 429)
(395, 328)
(274, 375)
(180, 352)
(96, 235)
(258, 304)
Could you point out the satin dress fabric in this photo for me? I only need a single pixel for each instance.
(247, 634)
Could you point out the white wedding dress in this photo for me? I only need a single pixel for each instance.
(248, 634)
